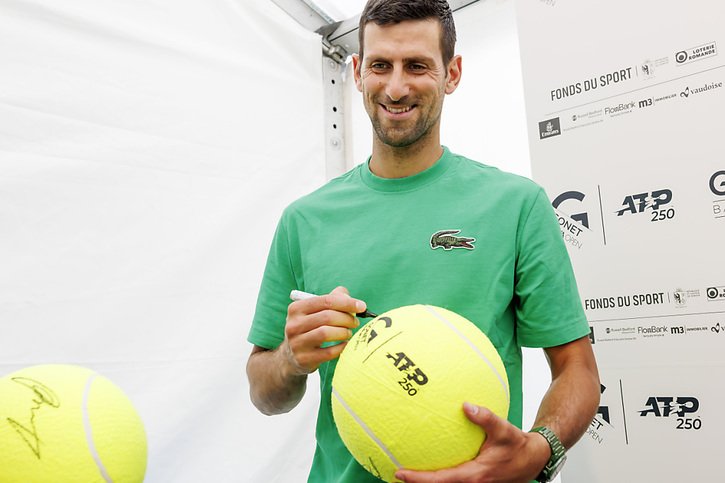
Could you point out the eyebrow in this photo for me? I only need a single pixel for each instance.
(406, 60)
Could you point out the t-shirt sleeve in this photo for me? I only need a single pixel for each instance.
(548, 308)
(279, 279)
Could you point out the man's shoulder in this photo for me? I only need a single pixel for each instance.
(476, 171)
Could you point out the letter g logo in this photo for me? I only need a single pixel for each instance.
(717, 183)
(582, 218)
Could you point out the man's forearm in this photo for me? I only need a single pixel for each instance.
(275, 386)
(573, 397)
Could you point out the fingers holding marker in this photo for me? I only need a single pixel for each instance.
(318, 327)
(336, 308)
(360, 306)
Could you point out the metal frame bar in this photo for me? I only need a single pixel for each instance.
(334, 117)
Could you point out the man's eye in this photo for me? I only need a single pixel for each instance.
(378, 66)
(417, 67)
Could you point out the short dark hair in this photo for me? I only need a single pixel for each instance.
(387, 12)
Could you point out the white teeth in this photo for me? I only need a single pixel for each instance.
(397, 110)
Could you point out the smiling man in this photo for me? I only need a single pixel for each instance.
(404, 78)
(374, 233)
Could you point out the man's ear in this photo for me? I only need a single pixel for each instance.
(453, 74)
(356, 62)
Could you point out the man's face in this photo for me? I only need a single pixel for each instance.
(403, 80)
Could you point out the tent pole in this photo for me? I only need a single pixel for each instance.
(334, 117)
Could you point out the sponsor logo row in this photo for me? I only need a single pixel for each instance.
(678, 412)
(552, 127)
(677, 298)
(655, 205)
(645, 70)
(643, 332)
(549, 128)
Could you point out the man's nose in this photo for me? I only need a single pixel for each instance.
(397, 86)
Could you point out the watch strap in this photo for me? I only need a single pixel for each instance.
(558, 454)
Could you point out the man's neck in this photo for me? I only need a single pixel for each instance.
(400, 162)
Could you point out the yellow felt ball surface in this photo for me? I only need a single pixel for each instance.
(399, 388)
(65, 423)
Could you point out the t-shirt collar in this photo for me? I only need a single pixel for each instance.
(407, 183)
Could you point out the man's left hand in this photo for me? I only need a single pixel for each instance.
(508, 455)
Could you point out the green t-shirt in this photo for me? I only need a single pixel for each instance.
(396, 242)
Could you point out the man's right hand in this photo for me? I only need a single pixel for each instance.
(277, 378)
(313, 322)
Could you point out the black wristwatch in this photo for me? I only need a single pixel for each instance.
(558, 455)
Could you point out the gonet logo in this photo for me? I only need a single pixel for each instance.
(717, 187)
(603, 411)
(717, 183)
(572, 225)
(601, 424)
(582, 217)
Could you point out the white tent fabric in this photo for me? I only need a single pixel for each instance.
(146, 152)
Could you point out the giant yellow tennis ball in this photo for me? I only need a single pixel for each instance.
(63, 424)
(399, 388)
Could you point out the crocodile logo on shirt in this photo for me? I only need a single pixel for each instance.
(448, 240)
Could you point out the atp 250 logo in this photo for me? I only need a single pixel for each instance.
(683, 408)
(653, 202)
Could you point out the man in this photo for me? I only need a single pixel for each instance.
(376, 233)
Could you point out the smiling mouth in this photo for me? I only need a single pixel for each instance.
(397, 110)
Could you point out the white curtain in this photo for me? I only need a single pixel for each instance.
(147, 149)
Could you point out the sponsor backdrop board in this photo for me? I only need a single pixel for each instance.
(624, 105)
